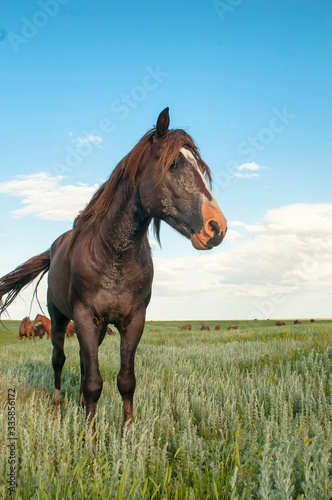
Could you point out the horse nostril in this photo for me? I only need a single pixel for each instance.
(214, 227)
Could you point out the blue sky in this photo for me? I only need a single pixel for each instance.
(251, 81)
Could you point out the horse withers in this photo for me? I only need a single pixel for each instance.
(101, 271)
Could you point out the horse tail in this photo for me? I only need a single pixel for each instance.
(12, 284)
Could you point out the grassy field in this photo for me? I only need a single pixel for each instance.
(220, 414)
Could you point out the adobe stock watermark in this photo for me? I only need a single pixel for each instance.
(265, 308)
(31, 26)
(253, 145)
(11, 444)
(224, 7)
(120, 108)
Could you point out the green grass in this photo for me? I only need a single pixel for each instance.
(219, 414)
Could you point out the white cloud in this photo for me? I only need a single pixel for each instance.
(300, 218)
(233, 235)
(45, 197)
(248, 166)
(95, 139)
(238, 175)
(236, 223)
(255, 228)
(247, 175)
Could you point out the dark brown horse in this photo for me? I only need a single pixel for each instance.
(40, 331)
(101, 271)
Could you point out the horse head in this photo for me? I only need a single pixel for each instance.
(173, 187)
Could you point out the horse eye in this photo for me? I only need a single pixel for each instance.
(173, 165)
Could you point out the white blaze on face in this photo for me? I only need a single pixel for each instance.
(190, 157)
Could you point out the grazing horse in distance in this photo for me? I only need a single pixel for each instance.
(233, 328)
(217, 327)
(46, 322)
(27, 329)
(205, 327)
(101, 271)
(280, 323)
(297, 322)
(186, 327)
(312, 321)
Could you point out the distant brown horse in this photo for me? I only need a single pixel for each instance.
(27, 329)
(46, 322)
(101, 271)
(312, 321)
(217, 327)
(205, 327)
(233, 328)
(186, 327)
(297, 322)
(280, 323)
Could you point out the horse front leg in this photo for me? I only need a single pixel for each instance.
(88, 333)
(130, 337)
(81, 399)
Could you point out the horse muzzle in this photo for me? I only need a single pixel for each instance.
(214, 228)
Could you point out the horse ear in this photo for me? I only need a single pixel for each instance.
(163, 122)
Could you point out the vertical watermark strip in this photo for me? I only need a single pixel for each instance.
(11, 441)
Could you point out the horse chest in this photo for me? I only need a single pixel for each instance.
(133, 282)
(121, 290)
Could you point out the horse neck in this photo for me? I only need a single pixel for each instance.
(125, 224)
(43, 320)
